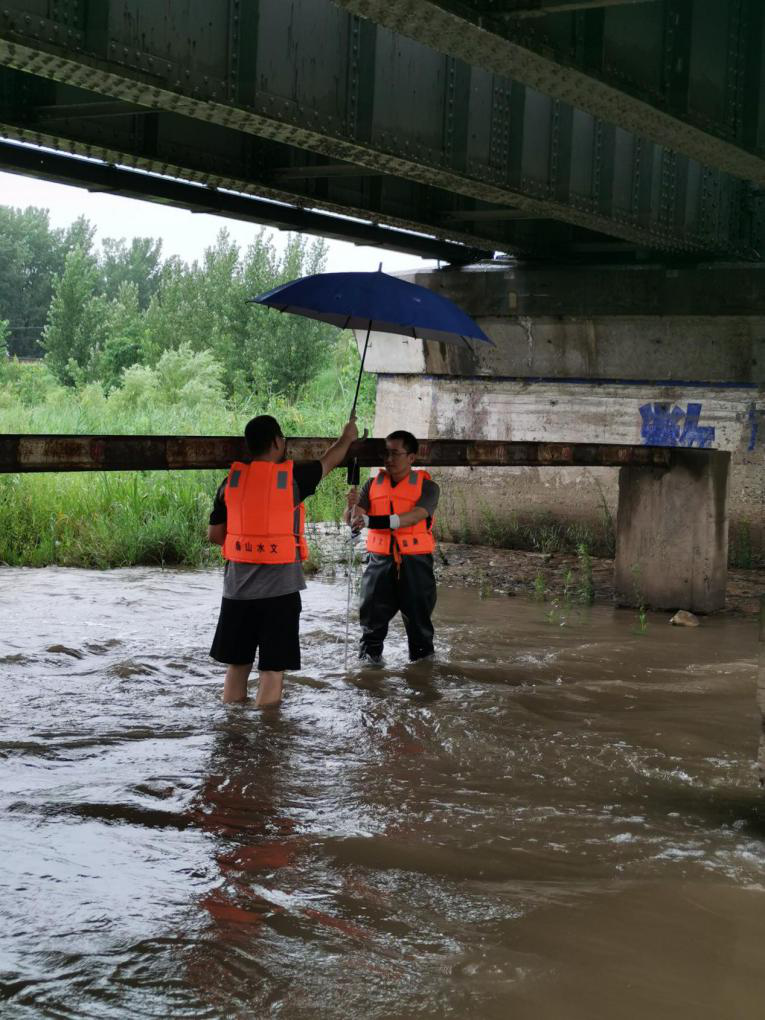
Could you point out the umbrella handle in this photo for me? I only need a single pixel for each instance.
(361, 369)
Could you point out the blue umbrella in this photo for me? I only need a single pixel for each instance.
(375, 301)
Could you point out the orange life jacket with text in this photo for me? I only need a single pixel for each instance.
(387, 498)
(263, 523)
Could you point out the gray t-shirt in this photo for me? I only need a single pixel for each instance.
(266, 580)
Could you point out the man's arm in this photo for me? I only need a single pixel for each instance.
(337, 453)
(216, 530)
(383, 522)
(357, 501)
(216, 533)
(413, 516)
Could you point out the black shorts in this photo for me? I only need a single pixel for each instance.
(271, 626)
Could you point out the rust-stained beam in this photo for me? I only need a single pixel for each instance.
(35, 453)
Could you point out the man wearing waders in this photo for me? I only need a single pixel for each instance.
(397, 506)
(258, 518)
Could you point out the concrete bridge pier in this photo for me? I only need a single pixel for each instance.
(672, 533)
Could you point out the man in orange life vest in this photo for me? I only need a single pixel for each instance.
(397, 506)
(258, 518)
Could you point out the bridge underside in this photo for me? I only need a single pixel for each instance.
(428, 135)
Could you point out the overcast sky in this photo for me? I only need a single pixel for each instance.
(183, 233)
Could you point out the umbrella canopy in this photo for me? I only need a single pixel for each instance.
(375, 302)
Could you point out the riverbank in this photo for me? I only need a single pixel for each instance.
(515, 572)
(550, 577)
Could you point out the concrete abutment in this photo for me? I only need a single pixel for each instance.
(628, 355)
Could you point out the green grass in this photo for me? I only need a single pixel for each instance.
(535, 532)
(119, 519)
(745, 552)
(106, 519)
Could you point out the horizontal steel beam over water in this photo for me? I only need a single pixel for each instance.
(36, 453)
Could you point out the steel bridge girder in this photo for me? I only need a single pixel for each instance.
(308, 76)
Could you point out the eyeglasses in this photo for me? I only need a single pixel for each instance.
(390, 454)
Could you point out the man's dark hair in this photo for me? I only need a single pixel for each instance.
(261, 433)
(408, 441)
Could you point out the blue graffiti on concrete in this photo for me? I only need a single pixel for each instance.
(754, 422)
(664, 425)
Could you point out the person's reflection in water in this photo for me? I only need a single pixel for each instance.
(420, 678)
(259, 895)
(238, 804)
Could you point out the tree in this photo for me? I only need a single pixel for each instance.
(79, 234)
(31, 254)
(76, 319)
(123, 338)
(138, 263)
(288, 350)
(180, 377)
(202, 305)
(205, 305)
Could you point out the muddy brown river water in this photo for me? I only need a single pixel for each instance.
(552, 821)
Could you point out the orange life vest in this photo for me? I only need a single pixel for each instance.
(386, 498)
(263, 524)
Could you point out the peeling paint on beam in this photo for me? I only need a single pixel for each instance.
(34, 453)
(25, 454)
(429, 23)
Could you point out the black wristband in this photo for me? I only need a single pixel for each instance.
(379, 522)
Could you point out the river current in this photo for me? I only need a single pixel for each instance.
(559, 819)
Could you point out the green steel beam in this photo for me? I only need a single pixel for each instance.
(538, 8)
(41, 112)
(104, 177)
(628, 74)
(221, 159)
(245, 95)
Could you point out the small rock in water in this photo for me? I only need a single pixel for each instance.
(682, 618)
(63, 650)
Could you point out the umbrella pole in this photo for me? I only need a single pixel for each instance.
(353, 480)
(353, 469)
(348, 594)
(361, 369)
